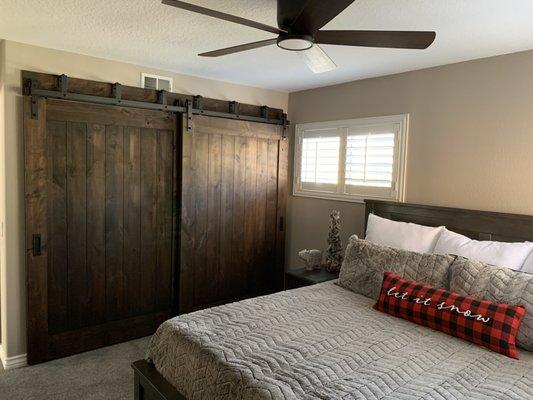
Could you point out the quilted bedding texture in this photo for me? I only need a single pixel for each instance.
(325, 342)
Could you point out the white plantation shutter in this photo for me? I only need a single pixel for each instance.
(370, 160)
(320, 160)
(351, 160)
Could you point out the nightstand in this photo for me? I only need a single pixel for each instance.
(295, 278)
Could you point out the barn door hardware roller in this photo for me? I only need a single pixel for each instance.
(198, 102)
(162, 98)
(34, 100)
(63, 84)
(188, 105)
(190, 108)
(234, 108)
(117, 92)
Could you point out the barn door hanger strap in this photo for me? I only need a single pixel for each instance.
(194, 107)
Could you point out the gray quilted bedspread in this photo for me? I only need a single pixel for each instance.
(325, 342)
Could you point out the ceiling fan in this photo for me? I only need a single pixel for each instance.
(299, 29)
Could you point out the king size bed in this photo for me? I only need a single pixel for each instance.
(327, 342)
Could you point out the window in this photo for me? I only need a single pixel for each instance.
(352, 159)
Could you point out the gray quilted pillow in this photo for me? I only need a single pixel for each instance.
(365, 262)
(499, 285)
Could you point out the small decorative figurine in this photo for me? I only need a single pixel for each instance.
(312, 258)
(334, 252)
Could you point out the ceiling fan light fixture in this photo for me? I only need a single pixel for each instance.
(295, 42)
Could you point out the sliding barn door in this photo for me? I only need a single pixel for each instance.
(100, 194)
(233, 209)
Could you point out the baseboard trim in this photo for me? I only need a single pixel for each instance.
(13, 362)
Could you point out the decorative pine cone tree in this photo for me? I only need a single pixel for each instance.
(334, 251)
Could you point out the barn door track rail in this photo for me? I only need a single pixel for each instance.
(188, 107)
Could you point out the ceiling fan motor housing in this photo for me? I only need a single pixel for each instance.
(295, 42)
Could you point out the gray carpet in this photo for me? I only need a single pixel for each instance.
(100, 374)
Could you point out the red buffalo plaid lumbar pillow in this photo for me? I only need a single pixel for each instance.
(479, 321)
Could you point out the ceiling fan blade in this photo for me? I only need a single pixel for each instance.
(239, 48)
(316, 14)
(390, 39)
(317, 60)
(221, 15)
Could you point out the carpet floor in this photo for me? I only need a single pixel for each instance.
(99, 374)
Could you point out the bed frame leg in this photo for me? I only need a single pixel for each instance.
(138, 390)
(149, 384)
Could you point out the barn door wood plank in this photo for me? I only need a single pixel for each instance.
(212, 283)
(109, 115)
(283, 189)
(200, 182)
(96, 269)
(259, 268)
(57, 246)
(77, 223)
(36, 163)
(177, 152)
(114, 221)
(271, 213)
(148, 217)
(227, 275)
(239, 206)
(132, 219)
(250, 214)
(230, 127)
(188, 221)
(163, 271)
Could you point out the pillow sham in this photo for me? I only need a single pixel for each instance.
(483, 322)
(497, 284)
(365, 262)
(527, 267)
(401, 235)
(510, 255)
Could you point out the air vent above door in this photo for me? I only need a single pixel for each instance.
(156, 82)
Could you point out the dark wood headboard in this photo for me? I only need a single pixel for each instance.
(479, 225)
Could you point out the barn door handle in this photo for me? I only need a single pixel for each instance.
(281, 225)
(36, 244)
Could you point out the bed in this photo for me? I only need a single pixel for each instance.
(324, 341)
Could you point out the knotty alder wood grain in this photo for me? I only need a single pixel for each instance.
(100, 190)
(233, 194)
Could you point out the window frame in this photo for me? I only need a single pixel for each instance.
(343, 126)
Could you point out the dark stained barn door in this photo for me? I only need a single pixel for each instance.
(233, 209)
(100, 195)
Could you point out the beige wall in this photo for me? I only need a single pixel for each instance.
(470, 139)
(25, 57)
(2, 188)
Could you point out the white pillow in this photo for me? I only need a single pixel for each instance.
(402, 235)
(511, 255)
(528, 264)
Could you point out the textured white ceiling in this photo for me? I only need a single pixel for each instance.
(145, 32)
